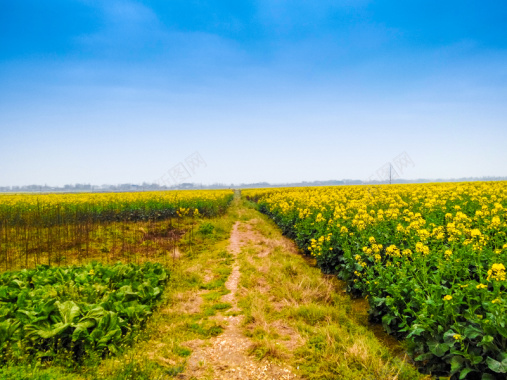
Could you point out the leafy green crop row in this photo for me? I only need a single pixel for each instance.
(48, 313)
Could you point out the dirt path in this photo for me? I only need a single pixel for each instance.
(226, 356)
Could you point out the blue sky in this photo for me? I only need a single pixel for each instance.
(120, 91)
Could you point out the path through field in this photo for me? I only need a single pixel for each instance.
(227, 356)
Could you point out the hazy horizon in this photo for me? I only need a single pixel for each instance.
(147, 186)
(110, 92)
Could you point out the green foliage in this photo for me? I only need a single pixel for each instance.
(206, 329)
(27, 372)
(67, 313)
(206, 228)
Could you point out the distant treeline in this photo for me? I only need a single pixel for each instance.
(108, 188)
(78, 187)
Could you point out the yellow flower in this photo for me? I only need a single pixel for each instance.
(496, 300)
(497, 272)
(475, 232)
(481, 286)
(498, 267)
(392, 250)
(457, 337)
(447, 298)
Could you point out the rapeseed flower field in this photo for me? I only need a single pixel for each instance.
(431, 259)
(56, 208)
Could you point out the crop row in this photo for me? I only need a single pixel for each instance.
(46, 210)
(430, 258)
(73, 312)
